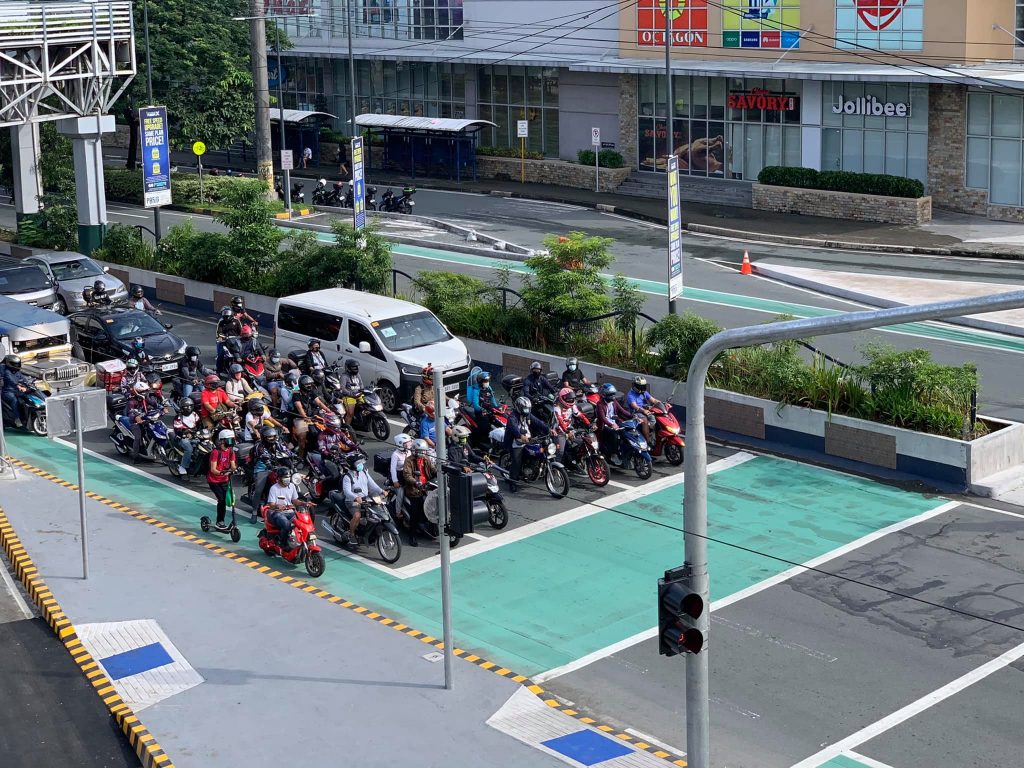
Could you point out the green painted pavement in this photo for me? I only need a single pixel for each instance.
(843, 761)
(542, 602)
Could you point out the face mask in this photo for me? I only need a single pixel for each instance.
(486, 385)
(360, 467)
(572, 366)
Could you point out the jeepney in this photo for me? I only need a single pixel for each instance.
(42, 339)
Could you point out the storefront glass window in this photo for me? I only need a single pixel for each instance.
(995, 146)
(510, 94)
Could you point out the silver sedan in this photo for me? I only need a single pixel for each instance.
(74, 273)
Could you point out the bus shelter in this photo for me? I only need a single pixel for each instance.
(427, 146)
(301, 130)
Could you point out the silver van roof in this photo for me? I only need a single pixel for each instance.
(369, 305)
(16, 314)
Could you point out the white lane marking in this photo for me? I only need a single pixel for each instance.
(914, 708)
(620, 486)
(867, 761)
(13, 589)
(753, 589)
(564, 518)
(631, 220)
(130, 215)
(651, 740)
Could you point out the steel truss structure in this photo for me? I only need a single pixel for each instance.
(60, 60)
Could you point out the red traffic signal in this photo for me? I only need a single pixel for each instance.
(678, 609)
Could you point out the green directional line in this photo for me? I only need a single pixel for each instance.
(938, 331)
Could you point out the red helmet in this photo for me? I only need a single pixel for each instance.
(429, 409)
(211, 379)
(567, 396)
(246, 332)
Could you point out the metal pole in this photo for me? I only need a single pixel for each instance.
(4, 461)
(261, 95)
(280, 119)
(695, 489)
(81, 485)
(442, 536)
(668, 80)
(149, 96)
(354, 131)
(597, 170)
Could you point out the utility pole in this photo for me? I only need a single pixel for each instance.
(149, 97)
(286, 185)
(668, 81)
(351, 68)
(261, 95)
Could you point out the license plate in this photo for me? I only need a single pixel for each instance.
(169, 367)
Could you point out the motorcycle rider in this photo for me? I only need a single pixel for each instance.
(249, 345)
(639, 401)
(137, 351)
(477, 391)
(357, 485)
(351, 387)
(276, 368)
(191, 371)
(236, 386)
(14, 381)
(132, 375)
(140, 302)
(460, 453)
(517, 435)
(428, 425)
(134, 415)
(609, 415)
(227, 327)
(572, 376)
(424, 392)
(417, 472)
(398, 456)
(566, 414)
(305, 403)
(241, 314)
(257, 416)
(217, 404)
(536, 384)
(184, 427)
(100, 297)
(267, 453)
(281, 499)
(313, 358)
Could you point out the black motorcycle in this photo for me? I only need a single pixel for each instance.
(202, 447)
(320, 193)
(405, 203)
(490, 501)
(539, 461)
(336, 197)
(368, 415)
(375, 526)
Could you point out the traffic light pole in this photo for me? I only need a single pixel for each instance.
(442, 517)
(695, 489)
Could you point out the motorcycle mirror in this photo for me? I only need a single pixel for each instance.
(168, 326)
(364, 347)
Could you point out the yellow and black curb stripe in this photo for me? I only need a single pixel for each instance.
(546, 696)
(141, 740)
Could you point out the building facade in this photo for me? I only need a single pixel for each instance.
(927, 89)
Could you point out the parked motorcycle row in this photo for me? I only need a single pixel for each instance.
(340, 195)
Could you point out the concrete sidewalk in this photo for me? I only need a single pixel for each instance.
(285, 675)
(948, 234)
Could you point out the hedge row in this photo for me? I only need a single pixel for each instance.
(841, 181)
(126, 186)
(606, 158)
(508, 152)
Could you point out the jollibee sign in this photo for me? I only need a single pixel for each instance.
(879, 14)
(869, 105)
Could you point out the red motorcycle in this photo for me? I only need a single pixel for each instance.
(302, 546)
(667, 435)
(583, 449)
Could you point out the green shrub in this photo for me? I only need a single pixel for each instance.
(54, 227)
(485, 151)
(566, 283)
(781, 176)
(123, 185)
(332, 136)
(841, 181)
(678, 337)
(606, 158)
(124, 244)
(446, 294)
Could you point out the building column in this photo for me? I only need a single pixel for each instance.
(947, 151)
(87, 147)
(628, 121)
(28, 181)
(810, 130)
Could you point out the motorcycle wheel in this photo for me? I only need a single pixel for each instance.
(497, 515)
(557, 481)
(380, 427)
(674, 454)
(453, 540)
(642, 467)
(315, 564)
(37, 424)
(597, 471)
(389, 546)
(337, 524)
(161, 453)
(120, 447)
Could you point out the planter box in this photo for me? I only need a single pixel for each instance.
(842, 205)
(559, 172)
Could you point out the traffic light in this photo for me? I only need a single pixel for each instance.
(678, 609)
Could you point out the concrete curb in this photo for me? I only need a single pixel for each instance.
(150, 753)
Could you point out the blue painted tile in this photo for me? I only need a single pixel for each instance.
(588, 747)
(136, 660)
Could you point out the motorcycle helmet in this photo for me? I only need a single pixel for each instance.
(137, 292)
(331, 382)
(566, 396)
(269, 435)
(483, 379)
(13, 362)
(321, 182)
(318, 377)
(99, 288)
(571, 363)
(428, 375)
(351, 367)
(236, 369)
(429, 410)
(226, 312)
(402, 441)
(192, 353)
(186, 406)
(138, 344)
(420, 447)
(460, 433)
(131, 365)
(274, 356)
(237, 303)
(154, 380)
(639, 384)
(246, 332)
(523, 405)
(211, 380)
(88, 295)
(217, 382)
(141, 388)
(535, 367)
(313, 343)
(608, 392)
(356, 461)
(255, 407)
(305, 383)
(226, 435)
(333, 422)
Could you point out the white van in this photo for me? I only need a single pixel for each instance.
(392, 339)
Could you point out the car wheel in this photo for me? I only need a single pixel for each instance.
(61, 306)
(388, 397)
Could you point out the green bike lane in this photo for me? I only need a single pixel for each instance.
(568, 591)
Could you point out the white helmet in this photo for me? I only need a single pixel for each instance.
(322, 182)
(225, 434)
(297, 479)
(402, 440)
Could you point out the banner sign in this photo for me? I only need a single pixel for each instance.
(675, 231)
(358, 185)
(759, 98)
(689, 22)
(869, 105)
(894, 25)
(156, 157)
(761, 24)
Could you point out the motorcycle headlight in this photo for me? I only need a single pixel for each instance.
(312, 537)
(673, 430)
(551, 449)
(643, 445)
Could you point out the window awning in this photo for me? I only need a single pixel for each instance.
(296, 116)
(429, 124)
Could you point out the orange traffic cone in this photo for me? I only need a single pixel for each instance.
(745, 266)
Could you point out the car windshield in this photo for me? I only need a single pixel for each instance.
(22, 280)
(72, 269)
(411, 331)
(132, 324)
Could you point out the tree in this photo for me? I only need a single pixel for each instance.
(567, 282)
(358, 259)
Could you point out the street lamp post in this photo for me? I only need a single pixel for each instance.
(287, 185)
(351, 69)
(149, 97)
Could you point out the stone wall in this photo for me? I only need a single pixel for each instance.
(627, 119)
(947, 137)
(558, 172)
(842, 205)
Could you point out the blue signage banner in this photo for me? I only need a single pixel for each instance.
(156, 156)
(358, 185)
(675, 231)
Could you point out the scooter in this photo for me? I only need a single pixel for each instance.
(371, 198)
(320, 193)
(667, 435)
(368, 415)
(31, 411)
(375, 526)
(154, 438)
(631, 450)
(232, 529)
(405, 203)
(202, 447)
(387, 201)
(302, 546)
(337, 195)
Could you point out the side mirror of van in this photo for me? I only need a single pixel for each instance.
(106, 269)
(364, 347)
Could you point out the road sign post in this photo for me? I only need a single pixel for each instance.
(358, 184)
(595, 140)
(287, 163)
(199, 149)
(675, 235)
(156, 161)
(440, 398)
(523, 133)
(5, 463)
(77, 412)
